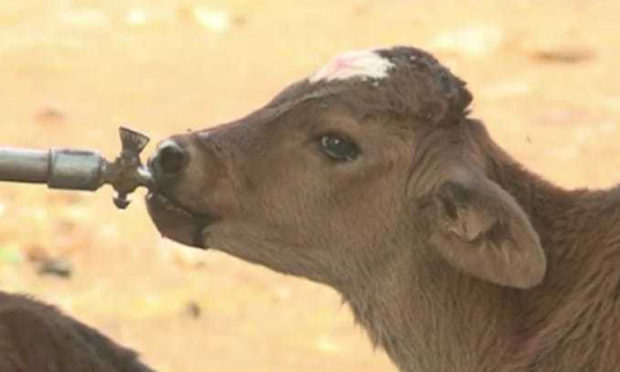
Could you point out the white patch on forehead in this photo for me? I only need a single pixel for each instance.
(366, 64)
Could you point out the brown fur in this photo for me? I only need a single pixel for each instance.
(451, 254)
(37, 337)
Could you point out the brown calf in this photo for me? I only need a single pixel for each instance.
(370, 177)
(35, 337)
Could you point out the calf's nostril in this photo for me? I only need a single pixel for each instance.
(170, 159)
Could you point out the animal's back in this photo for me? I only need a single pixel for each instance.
(37, 337)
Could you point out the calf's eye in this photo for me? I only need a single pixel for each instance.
(338, 148)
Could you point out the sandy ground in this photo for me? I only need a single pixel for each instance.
(545, 76)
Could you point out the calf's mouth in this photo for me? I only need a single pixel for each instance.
(173, 219)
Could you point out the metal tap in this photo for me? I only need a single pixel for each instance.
(73, 169)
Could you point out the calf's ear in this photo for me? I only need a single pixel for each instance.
(480, 229)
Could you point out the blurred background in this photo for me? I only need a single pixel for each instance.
(545, 76)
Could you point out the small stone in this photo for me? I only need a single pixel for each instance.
(50, 115)
(193, 310)
(213, 20)
(473, 41)
(563, 54)
(136, 17)
(55, 267)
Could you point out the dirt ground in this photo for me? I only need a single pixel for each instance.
(544, 74)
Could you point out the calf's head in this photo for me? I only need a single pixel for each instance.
(370, 160)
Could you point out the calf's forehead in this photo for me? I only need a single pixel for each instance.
(347, 73)
(366, 64)
(399, 82)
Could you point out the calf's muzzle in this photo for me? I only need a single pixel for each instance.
(169, 160)
(175, 220)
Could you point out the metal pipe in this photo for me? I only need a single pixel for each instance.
(75, 169)
(58, 168)
(22, 165)
(81, 169)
